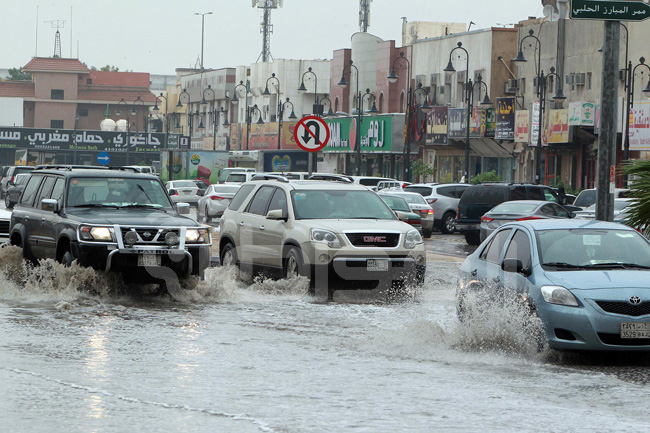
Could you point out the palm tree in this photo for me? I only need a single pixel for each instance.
(639, 210)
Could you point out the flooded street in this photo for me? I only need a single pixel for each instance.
(267, 357)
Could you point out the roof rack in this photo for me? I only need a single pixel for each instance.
(68, 167)
(331, 178)
(275, 177)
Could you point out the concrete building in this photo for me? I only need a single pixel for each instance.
(417, 30)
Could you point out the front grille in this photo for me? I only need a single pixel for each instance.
(616, 340)
(149, 236)
(4, 227)
(380, 240)
(625, 308)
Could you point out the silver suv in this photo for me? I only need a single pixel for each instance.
(443, 198)
(340, 236)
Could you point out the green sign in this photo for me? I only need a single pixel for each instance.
(376, 134)
(609, 10)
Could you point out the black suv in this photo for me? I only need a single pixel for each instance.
(111, 220)
(479, 199)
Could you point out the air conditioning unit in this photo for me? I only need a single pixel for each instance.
(622, 75)
(570, 79)
(579, 79)
(434, 79)
(462, 76)
(449, 78)
(419, 79)
(509, 88)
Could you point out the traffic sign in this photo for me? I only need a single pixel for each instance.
(103, 158)
(609, 10)
(311, 133)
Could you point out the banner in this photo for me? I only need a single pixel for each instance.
(489, 121)
(505, 108)
(558, 126)
(522, 123)
(582, 114)
(378, 133)
(640, 126)
(457, 123)
(534, 124)
(476, 125)
(281, 161)
(437, 125)
(99, 141)
(207, 166)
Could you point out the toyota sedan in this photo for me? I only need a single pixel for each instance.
(587, 280)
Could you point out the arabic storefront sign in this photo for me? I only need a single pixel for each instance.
(490, 122)
(100, 141)
(522, 124)
(557, 130)
(640, 126)
(534, 124)
(378, 133)
(457, 123)
(582, 113)
(609, 10)
(505, 108)
(437, 125)
(476, 125)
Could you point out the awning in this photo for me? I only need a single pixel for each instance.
(486, 147)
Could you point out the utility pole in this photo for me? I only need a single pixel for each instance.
(608, 121)
(202, 32)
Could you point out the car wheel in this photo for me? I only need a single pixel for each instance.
(473, 238)
(228, 255)
(448, 225)
(207, 216)
(8, 204)
(67, 259)
(427, 233)
(293, 264)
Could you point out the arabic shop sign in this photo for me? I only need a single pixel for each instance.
(522, 125)
(609, 10)
(558, 127)
(437, 125)
(582, 113)
(505, 108)
(376, 133)
(100, 141)
(457, 123)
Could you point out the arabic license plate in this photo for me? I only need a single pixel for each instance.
(635, 330)
(149, 260)
(377, 265)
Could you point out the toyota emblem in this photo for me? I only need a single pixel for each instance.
(635, 300)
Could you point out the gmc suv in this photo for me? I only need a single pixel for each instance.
(340, 236)
(111, 220)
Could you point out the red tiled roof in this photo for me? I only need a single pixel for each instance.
(52, 64)
(113, 93)
(17, 89)
(125, 79)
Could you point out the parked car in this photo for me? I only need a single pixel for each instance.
(522, 210)
(587, 197)
(15, 189)
(477, 200)
(110, 220)
(586, 280)
(403, 210)
(146, 169)
(332, 177)
(183, 191)
(418, 204)
(338, 235)
(369, 181)
(240, 177)
(5, 223)
(620, 210)
(216, 200)
(389, 185)
(10, 176)
(443, 199)
(226, 172)
(202, 186)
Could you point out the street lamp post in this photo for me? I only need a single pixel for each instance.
(235, 100)
(205, 102)
(317, 110)
(216, 114)
(630, 99)
(134, 113)
(202, 32)
(166, 147)
(128, 127)
(188, 114)
(542, 88)
(280, 104)
(249, 120)
(74, 136)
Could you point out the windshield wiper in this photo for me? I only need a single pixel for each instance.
(617, 265)
(89, 205)
(563, 265)
(141, 206)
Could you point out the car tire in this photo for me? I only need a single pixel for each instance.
(427, 233)
(293, 264)
(8, 203)
(473, 238)
(228, 256)
(448, 223)
(207, 217)
(67, 258)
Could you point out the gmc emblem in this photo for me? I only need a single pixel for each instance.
(374, 239)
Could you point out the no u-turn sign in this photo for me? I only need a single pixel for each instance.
(311, 133)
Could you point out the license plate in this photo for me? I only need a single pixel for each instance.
(149, 260)
(635, 330)
(377, 265)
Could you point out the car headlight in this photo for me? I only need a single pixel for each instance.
(103, 234)
(559, 295)
(325, 237)
(413, 238)
(197, 236)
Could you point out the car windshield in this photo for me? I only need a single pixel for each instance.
(22, 179)
(184, 184)
(413, 199)
(396, 203)
(339, 204)
(116, 192)
(593, 248)
(586, 198)
(514, 208)
(423, 190)
(226, 189)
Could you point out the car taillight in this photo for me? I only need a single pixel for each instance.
(485, 219)
(173, 192)
(215, 197)
(12, 178)
(413, 221)
(432, 200)
(426, 211)
(529, 218)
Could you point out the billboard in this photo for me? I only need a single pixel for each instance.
(437, 125)
(639, 137)
(557, 130)
(489, 120)
(457, 123)
(505, 111)
(477, 126)
(283, 161)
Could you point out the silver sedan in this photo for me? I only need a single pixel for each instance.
(419, 206)
(520, 210)
(216, 200)
(183, 191)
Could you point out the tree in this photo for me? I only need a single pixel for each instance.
(109, 68)
(639, 211)
(17, 74)
(490, 176)
(420, 169)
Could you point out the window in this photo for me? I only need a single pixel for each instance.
(46, 189)
(493, 252)
(56, 94)
(260, 202)
(519, 248)
(549, 195)
(30, 190)
(279, 201)
(548, 210)
(56, 124)
(536, 194)
(57, 192)
(239, 198)
(236, 177)
(460, 190)
(560, 211)
(83, 112)
(518, 193)
(447, 191)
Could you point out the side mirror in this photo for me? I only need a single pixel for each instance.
(183, 208)
(277, 215)
(515, 266)
(401, 216)
(572, 215)
(11, 183)
(49, 205)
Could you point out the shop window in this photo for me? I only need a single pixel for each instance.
(56, 124)
(83, 112)
(56, 94)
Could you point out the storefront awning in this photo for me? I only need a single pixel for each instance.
(489, 148)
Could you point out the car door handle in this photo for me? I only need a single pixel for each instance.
(262, 228)
(43, 219)
(474, 273)
(496, 279)
(241, 224)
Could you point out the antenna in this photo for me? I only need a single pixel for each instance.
(266, 28)
(364, 15)
(57, 24)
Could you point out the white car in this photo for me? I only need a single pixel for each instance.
(183, 191)
(620, 210)
(240, 177)
(216, 200)
(5, 223)
(226, 172)
(146, 169)
(418, 205)
(370, 181)
(339, 236)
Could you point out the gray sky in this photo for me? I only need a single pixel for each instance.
(158, 36)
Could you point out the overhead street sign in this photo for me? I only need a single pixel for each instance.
(609, 10)
(311, 133)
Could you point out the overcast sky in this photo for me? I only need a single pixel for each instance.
(158, 36)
